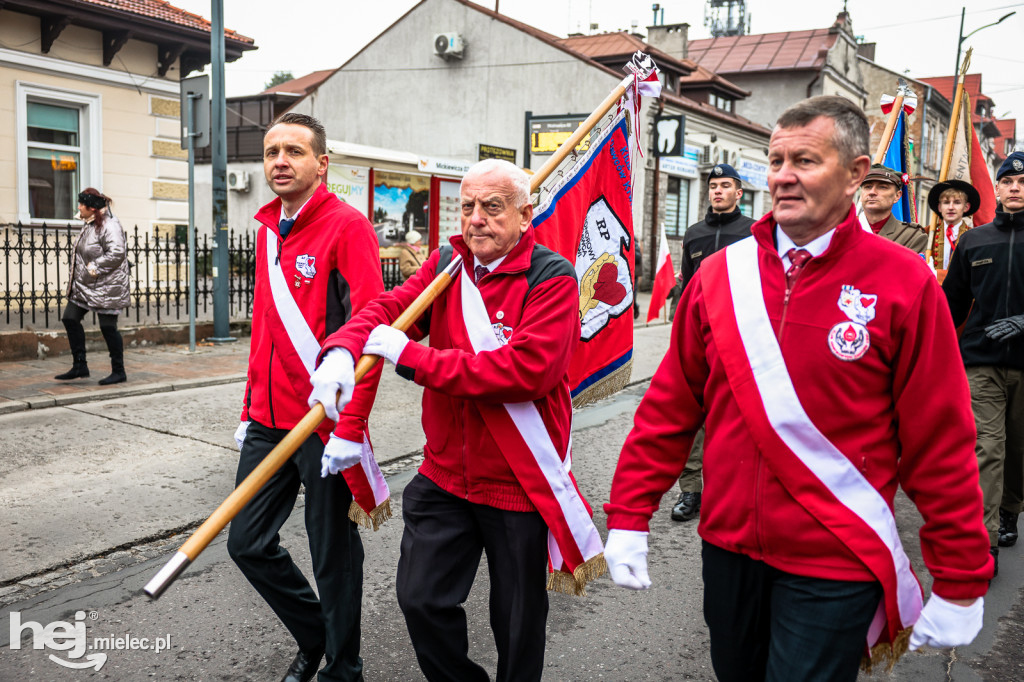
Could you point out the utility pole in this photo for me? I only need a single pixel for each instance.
(219, 134)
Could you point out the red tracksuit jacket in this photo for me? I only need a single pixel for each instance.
(901, 414)
(534, 295)
(346, 259)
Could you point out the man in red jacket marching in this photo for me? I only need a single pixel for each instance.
(823, 379)
(317, 262)
(497, 414)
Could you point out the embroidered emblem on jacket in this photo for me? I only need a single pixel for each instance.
(502, 332)
(850, 340)
(857, 306)
(306, 264)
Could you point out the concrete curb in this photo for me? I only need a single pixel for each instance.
(44, 402)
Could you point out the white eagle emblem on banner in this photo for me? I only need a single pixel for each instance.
(606, 286)
(306, 264)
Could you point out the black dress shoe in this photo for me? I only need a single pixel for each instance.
(304, 666)
(686, 507)
(994, 551)
(1007, 529)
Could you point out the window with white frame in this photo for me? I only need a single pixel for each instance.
(59, 150)
(677, 206)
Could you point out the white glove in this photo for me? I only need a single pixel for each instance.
(387, 342)
(943, 624)
(240, 434)
(91, 267)
(626, 555)
(336, 373)
(339, 454)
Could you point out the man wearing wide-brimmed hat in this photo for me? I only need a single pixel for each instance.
(953, 200)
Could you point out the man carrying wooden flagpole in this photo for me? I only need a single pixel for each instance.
(497, 416)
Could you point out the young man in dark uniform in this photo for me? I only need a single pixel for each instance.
(984, 287)
(723, 225)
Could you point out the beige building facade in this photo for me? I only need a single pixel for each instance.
(88, 102)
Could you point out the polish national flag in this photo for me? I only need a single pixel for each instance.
(664, 278)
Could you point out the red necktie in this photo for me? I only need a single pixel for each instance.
(797, 258)
(479, 271)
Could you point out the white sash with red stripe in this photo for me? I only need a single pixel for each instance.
(794, 427)
(573, 540)
(369, 489)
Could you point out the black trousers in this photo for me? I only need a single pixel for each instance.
(766, 624)
(441, 547)
(333, 621)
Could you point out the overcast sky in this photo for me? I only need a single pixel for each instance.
(919, 38)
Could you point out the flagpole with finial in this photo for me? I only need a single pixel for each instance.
(947, 154)
(902, 91)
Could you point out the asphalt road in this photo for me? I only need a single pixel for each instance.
(90, 496)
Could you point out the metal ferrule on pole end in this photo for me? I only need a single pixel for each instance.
(163, 579)
(453, 267)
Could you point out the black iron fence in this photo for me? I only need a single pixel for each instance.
(36, 267)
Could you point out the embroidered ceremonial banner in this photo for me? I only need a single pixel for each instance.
(371, 498)
(588, 218)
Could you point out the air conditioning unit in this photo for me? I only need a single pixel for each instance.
(449, 45)
(238, 180)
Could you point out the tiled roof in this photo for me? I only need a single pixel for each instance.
(944, 85)
(622, 43)
(164, 11)
(1007, 131)
(790, 50)
(302, 85)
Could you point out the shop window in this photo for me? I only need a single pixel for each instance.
(677, 206)
(747, 204)
(57, 133)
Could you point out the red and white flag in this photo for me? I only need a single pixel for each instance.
(664, 277)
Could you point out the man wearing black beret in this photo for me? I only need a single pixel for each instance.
(723, 225)
(984, 286)
(879, 192)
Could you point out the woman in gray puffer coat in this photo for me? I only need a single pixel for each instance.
(99, 283)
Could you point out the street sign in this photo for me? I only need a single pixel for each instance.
(199, 89)
(668, 138)
(547, 133)
(490, 151)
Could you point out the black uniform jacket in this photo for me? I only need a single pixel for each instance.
(987, 268)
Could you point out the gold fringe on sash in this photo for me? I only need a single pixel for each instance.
(575, 583)
(614, 382)
(374, 520)
(887, 652)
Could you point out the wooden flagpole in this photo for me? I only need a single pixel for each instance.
(947, 152)
(248, 488)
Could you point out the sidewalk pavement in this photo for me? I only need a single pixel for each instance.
(29, 384)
